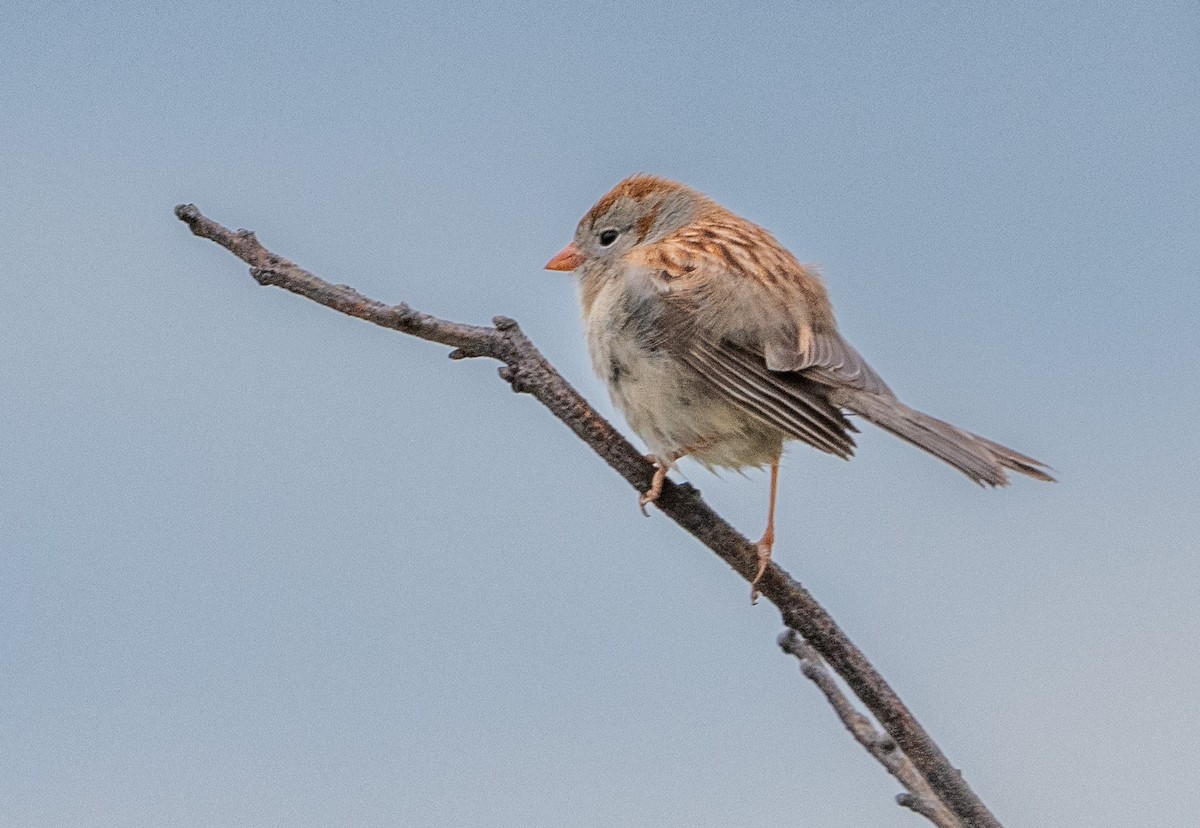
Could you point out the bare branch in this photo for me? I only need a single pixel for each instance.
(529, 372)
(919, 797)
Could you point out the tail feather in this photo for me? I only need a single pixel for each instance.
(978, 458)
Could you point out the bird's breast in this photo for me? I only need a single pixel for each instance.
(625, 341)
(665, 401)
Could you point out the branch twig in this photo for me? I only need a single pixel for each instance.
(919, 797)
(529, 372)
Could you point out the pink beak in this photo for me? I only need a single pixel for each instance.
(567, 259)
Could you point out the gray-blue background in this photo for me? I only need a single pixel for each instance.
(261, 564)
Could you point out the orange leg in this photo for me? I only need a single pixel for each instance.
(660, 473)
(656, 485)
(767, 541)
(663, 465)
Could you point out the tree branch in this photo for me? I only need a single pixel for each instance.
(919, 797)
(529, 372)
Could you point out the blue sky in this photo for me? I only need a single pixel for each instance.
(261, 564)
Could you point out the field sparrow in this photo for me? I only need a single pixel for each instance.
(717, 344)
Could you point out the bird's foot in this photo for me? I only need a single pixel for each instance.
(656, 485)
(763, 547)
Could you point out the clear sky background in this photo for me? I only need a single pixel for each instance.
(261, 564)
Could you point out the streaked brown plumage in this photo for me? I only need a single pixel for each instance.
(716, 343)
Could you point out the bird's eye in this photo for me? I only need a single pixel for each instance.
(608, 237)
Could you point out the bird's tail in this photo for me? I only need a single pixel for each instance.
(978, 458)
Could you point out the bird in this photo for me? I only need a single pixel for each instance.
(717, 344)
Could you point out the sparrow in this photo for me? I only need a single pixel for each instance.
(717, 344)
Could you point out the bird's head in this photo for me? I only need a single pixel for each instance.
(640, 210)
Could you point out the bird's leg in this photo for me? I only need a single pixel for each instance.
(661, 466)
(767, 541)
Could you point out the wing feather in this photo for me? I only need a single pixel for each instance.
(828, 359)
(785, 402)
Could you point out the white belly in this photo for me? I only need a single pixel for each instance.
(675, 410)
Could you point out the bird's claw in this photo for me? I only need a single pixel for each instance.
(644, 501)
(764, 558)
(656, 485)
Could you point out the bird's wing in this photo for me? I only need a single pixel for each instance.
(826, 358)
(757, 324)
(791, 403)
(725, 327)
(739, 283)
